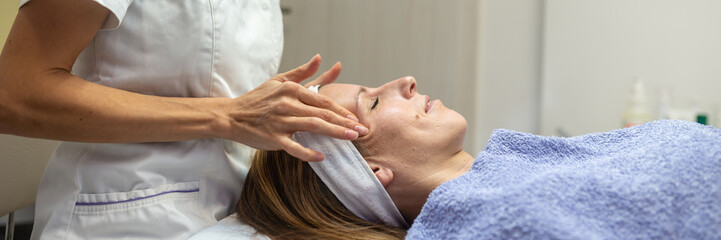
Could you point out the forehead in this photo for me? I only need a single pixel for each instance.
(343, 94)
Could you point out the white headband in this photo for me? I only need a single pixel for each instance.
(351, 180)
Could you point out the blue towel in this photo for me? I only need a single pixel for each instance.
(660, 180)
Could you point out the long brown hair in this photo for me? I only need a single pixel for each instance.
(284, 199)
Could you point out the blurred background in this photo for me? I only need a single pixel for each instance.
(553, 67)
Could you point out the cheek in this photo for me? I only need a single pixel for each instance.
(401, 121)
(404, 133)
(389, 131)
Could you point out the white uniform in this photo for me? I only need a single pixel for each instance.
(179, 48)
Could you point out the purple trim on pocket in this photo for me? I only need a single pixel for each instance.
(135, 199)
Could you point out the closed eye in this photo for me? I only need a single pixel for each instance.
(375, 104)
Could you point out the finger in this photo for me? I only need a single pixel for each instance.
(321, 101)
(324, 127)
(327, 77)
(301, 117)
(303, 72)
(303, 153)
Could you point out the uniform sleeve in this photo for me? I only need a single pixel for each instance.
(117, 8)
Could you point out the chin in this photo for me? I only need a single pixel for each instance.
(457, 120)
(457, 126)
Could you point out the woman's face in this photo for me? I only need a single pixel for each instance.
(408, 130)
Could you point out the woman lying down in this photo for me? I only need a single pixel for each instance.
(409, 177)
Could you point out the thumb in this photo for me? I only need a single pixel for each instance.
(303, 72)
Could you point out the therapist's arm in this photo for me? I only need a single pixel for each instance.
(40, 98)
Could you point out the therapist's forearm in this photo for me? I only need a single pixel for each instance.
(40, 98)
(64, 107)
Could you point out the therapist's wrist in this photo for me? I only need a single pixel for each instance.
(221, 127)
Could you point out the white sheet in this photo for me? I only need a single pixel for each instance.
(229, 228)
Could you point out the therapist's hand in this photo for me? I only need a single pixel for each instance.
(266, 117)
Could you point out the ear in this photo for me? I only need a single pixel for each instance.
(384, 174)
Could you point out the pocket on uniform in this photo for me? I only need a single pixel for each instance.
(166, 212)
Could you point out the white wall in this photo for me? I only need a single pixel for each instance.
(593, 49)
(568, 64)
(510, 67)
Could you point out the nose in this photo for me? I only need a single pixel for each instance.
(407, 86)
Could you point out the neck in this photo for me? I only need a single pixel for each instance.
(411, 197)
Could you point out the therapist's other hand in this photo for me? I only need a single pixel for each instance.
(266, 117)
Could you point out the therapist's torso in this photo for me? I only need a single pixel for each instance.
(178, 48)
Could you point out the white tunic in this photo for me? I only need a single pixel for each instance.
(179, 48)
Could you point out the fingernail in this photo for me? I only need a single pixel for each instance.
(361, 130)
(319, 157)
(352, 135)
(351, 117)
